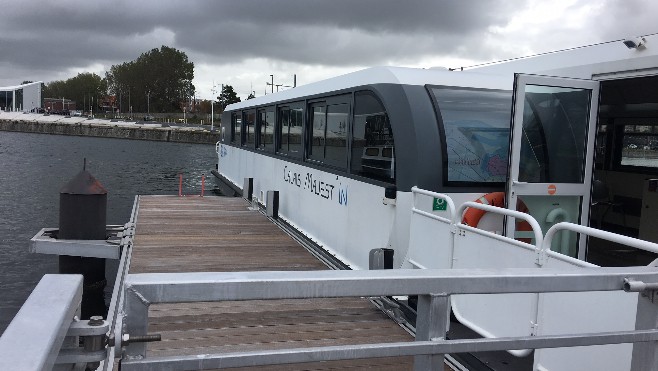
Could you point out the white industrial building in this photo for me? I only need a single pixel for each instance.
(25, 97)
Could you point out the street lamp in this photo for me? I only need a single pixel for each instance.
(212, 106)
(130, 106)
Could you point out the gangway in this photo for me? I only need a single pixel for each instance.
(620, 332)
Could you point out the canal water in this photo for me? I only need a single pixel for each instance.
(33, 168)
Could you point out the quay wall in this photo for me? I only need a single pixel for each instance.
(112, 130)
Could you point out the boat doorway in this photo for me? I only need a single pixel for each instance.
(551, 156)
(624, 188)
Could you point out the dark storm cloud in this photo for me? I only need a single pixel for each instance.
(74, 34)
(340, 32)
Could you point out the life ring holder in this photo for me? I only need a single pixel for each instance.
(472, 215)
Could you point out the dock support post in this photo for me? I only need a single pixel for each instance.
(136, 322)
(645, 354)
(272, 204)
(248, 188)
(431, 324)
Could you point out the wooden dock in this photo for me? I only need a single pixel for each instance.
(194, 234)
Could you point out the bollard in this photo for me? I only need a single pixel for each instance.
(82, 216)
(203, 184)
(180, 185)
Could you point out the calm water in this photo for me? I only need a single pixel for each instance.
(33, 168)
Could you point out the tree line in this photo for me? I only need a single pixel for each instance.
(159, 80)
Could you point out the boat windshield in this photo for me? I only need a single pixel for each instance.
(476, 132)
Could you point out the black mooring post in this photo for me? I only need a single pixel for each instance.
(82, 216)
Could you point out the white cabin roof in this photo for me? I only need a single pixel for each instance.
(604, 61)
(384, 75)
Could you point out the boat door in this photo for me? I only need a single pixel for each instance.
(551, 155)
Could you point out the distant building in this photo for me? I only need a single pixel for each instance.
(58, 105)
(25, 97)
(108, 103)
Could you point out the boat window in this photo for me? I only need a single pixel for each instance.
(266, 129)
(318, 128)
(336, 135)
(328, 134)
(373, 150)
(639, 146)
(248, 135)
(236, 127)
(555, 122)
(475, 124)
(291, 119)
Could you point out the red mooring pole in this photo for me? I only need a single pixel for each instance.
(180, 185)
(203, 184)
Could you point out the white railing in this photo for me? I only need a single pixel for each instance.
(44, 334)
(604, 235)
(450, 205)
(522, 314)
(432, 318)
(536, 229)
(429, 227)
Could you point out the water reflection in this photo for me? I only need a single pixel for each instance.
(34, 168)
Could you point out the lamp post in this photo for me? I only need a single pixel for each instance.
(130, 106)
(212, 106)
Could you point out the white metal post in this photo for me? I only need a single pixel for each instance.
(431, 324)
(212, 106)
(645, 355)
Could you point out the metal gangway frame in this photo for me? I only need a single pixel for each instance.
(134, 293)
(433, 287)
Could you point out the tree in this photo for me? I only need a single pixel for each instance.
(79, 89)
(251, 96)
(227, 96)
(161, 78)
(204, 107)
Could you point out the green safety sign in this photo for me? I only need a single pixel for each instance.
(439, 204)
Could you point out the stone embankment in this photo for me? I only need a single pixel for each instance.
(83, 126)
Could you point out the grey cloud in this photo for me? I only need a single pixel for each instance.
(51, 37)
(341, 32)
(59, 35)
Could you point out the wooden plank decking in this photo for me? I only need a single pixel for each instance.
(220, 234)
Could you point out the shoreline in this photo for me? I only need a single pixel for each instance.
(81, 126)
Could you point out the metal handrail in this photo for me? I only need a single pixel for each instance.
(113, 316)
(146, 289)
(536, 229)
(604, 235)
(33, 339)
(451, 205)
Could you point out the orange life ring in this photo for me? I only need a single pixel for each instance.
(472, 215)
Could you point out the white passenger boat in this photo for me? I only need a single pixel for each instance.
(387, 160)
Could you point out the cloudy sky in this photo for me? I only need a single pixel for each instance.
(242, 42)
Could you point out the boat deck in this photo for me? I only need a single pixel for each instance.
(220, 234)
